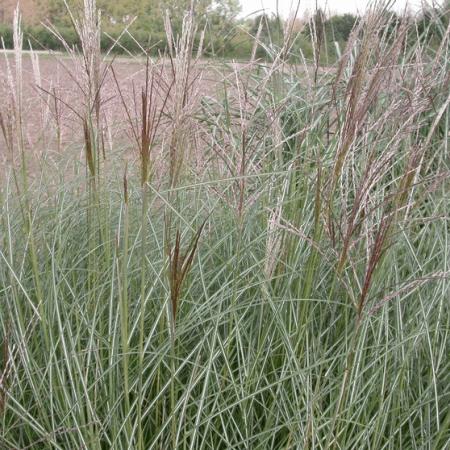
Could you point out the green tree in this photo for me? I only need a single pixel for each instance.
(340, 26)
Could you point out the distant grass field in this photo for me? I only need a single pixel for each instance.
(251, 256)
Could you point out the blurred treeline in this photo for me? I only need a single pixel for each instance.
(129, 26)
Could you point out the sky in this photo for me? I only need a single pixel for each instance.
(335, 6)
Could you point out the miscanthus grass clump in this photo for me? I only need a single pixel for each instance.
(263, 266)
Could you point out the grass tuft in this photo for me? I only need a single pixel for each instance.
(308, 310)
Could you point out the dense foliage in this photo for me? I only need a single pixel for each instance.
(225, 34)
(262, 262)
